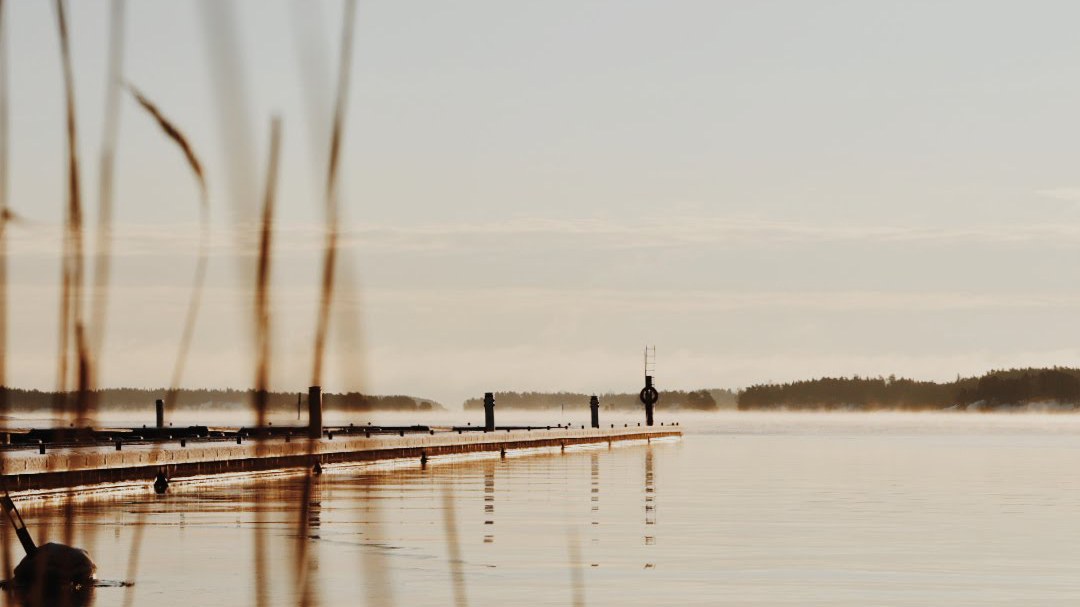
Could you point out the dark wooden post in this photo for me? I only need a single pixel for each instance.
(594, 404)
(648, 397)
(314, 412)
(489, 412)
(160, 407)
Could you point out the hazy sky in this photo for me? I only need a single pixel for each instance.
(766, 190)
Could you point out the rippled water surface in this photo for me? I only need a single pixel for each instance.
(747, 509)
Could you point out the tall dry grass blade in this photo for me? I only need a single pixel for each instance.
(331, 195)
(302, 556)
(71, 291)
(103, 242)
(262, 277)
(230, 90)
(173, 133)
(181, 141)
(310, 54)
(262, 338)
(577, 578)
(453, 547)
(308, 38)
(5, 213)
(133, 559)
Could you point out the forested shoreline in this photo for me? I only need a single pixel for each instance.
(998, 389)
(131, 399)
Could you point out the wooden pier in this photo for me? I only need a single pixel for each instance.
(28, 471)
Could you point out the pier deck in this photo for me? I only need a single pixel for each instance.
(30, 471)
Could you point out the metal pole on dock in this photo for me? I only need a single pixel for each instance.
(314, 412)
(489, 411)
(159, 405)
(648, 397)
(594, 404)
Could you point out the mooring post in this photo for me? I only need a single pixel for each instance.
(648, 397)
(489, 411)
(594, 404)
(159, 405)
(20, 527)
(314, 412)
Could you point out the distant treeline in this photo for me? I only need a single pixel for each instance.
(131, 399)
(696, 400)
(996, 389)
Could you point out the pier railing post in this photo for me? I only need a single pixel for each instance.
(489, 411)
(314, 412)
(594, 404)
(159, 405)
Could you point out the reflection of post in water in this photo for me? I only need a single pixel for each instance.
(489, 500)
(314, 510)
(650, 495)
(595, 493)
(306, 557)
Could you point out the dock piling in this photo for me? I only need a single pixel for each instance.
(648, 397)
(315, 412)
(159, 406)
(594, 405)
(489, 411)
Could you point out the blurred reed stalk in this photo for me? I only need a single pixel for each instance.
(262, 278)
(331, 193)
(177, 137)
(302, 556)
(263, 338)
(331, 210)
(71, 327)
(103, 239)
(453, 548)
(577, 578)
(72, 272)
(5, 213)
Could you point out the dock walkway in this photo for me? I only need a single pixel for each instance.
(31, 471)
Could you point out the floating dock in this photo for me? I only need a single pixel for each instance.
(29, 471)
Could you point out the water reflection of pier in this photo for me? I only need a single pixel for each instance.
(489, 501)
(650, 502)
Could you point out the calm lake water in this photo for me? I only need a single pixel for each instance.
(761, 509)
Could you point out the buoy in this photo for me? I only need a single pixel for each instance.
(161, 484)
(50, 574)
(55, 574)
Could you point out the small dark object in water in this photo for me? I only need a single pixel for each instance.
(316, 469)
(161, 484)
(55, 574)
(423, 459)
